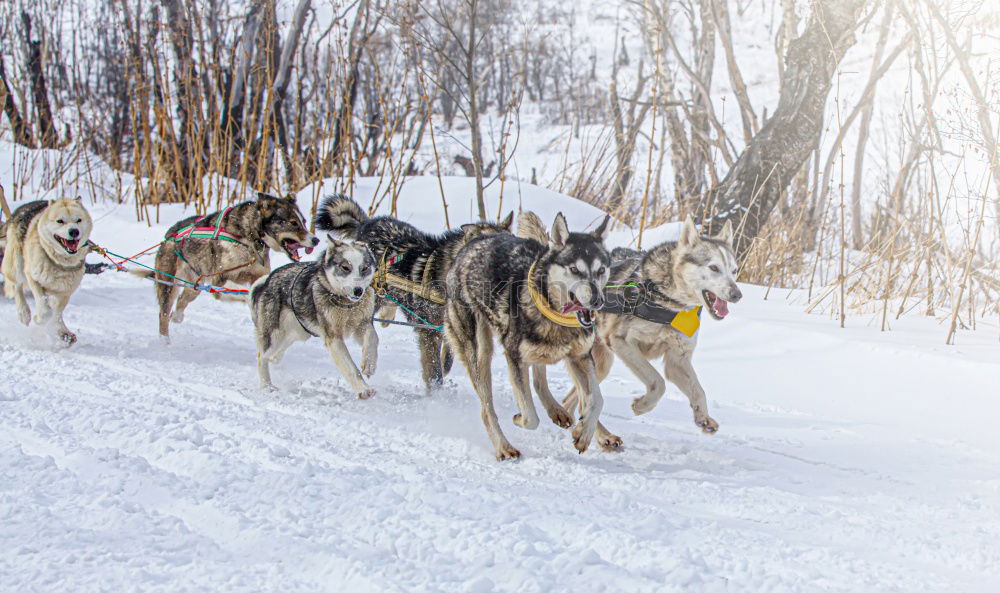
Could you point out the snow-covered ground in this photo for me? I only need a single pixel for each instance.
(848, 460)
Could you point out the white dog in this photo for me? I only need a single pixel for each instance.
(47, 243)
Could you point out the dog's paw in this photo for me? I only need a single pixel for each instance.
(581, 437)
(368, 368)
(507, 451)
(366, 394)
(67, 336)
(529, 423)
(560, 417)
(641, 405)
(177, 317)
(609, 442)
(268, 388)
(707, 424)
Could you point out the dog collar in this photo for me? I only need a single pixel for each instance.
(542, 304)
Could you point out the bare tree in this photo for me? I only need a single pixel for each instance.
(456, 31)
(21, 129)
(754, 184)
(989, 138)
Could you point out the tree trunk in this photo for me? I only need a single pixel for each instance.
(472, 79)
(284, 74)
(357, 40)
(181, 39)
(22, 133)
(46, 128)
(857, 232)
(232, 114)
(754, 184)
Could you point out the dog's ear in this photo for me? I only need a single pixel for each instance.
(689, 234)
(334, 242)
(726, 234)
(509, 221)
(266, 204)
(601, 232)
(560, 231)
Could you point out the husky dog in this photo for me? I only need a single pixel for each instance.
(420, 258)
(328, 299)
(46, 244)
(239, 253)
(525, 292)
(674, 276)
(88, 268)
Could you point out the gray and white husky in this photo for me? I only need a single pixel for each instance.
(330, 299)
(671, 277)
(490, 292)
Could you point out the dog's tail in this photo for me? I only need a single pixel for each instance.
(340, 215)
(11, 261)
(529, 226)
(624, 253)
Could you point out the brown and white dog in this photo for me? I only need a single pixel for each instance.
(241, 255)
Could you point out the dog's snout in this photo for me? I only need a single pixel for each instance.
(358, 291)
(596, 299)
(735, 294)
(74, 233)
(315, 241)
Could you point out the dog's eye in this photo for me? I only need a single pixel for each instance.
(365, 270)
(601, 271)
(714, 268)
(574, 269)
(61, 221)
(79, 220)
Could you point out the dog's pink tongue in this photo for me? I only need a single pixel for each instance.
(309, 249)
(572, 307)
(720, 307)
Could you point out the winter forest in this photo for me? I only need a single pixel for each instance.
(852, 143)
(849, 146)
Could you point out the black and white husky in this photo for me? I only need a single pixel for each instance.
(329, 299)
(420, 258)
(538, 299)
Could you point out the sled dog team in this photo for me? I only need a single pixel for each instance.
(546, 295)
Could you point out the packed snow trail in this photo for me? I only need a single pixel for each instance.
(846, 461)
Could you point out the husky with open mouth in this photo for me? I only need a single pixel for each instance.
(232, 245)
(669, 279)
(329, 299)
(538, 298)
(422, 259)
(47, 243)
